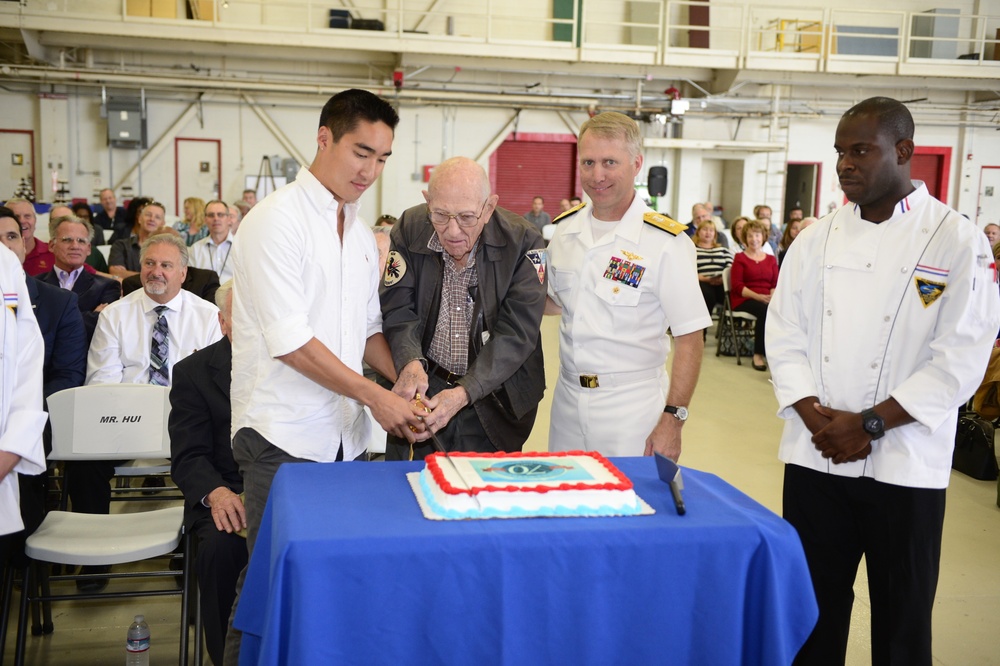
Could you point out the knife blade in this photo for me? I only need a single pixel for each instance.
(439, 447)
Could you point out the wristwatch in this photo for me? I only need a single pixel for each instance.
(873, 424)
(680, 413)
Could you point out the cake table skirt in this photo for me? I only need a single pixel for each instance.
(347, 571)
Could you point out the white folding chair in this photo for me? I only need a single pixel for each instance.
(104, 422)
(738, 327)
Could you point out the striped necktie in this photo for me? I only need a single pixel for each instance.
(159, 350)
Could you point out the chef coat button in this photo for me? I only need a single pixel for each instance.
(874, 365)
(829, 313)
(887, 318)
(826, 359)
(828, 267)
(903, 269)
(924, 231)
(868, 265)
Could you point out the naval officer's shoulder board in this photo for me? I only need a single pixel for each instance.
(572, 211)
(664, 223)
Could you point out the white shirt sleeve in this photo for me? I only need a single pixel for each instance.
(104, 360)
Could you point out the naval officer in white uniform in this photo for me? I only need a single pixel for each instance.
(621, 274)
(880, 327)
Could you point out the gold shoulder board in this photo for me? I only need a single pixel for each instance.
(571, 211)
(671, 226)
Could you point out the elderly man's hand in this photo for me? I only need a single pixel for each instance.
(444, 406)
(228, 511)
(411, 381)
(399, 417)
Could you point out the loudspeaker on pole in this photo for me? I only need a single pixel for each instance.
(657, 181)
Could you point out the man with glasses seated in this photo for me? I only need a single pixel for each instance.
(70, 243)
(462, 294)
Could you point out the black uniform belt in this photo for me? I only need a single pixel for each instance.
(441, 373)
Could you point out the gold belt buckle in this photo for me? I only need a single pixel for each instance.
(589, 381)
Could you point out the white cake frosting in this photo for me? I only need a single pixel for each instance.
(574, 483)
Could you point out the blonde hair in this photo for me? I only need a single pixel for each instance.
(715, 232)
(614, 125)
(198, 219)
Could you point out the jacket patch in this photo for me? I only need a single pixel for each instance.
(626, 272)
(10, 301)
(929, 290)
(537, 258)
(395, 269)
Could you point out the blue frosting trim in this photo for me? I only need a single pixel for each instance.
(552, 512)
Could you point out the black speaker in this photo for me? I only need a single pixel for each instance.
(657, 182)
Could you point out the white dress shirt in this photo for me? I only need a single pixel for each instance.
(207, 254)
(907, 308)
(119, 352)
(294, 281)
(68, 278)
(21, 415)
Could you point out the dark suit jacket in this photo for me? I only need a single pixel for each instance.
(91, 290)
(62, 329)
(201, 454)
(199, 281)
(115, 226)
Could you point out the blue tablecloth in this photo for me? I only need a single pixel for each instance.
(347, 571)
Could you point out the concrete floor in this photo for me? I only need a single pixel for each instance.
(732, 432)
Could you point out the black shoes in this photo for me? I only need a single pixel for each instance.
(93, 584)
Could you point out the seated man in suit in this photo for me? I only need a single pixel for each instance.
(70, 240)
(111, 216)
(202, 465)
(137, 340)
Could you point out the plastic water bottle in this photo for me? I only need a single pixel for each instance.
(137, 644)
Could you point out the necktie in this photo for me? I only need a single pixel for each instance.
(159, 349)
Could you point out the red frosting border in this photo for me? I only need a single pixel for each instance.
(438, 474)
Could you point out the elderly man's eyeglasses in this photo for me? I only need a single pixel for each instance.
(441, 219)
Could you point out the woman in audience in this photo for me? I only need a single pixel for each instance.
(754, 277)
(123, 259)
(193, 228)
(712, 260)
(736, 231)
(791, 231)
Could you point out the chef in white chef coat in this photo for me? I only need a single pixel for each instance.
(880, 328)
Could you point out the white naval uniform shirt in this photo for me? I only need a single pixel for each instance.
(907, 308)
(119, 352)
(294, 280)
(617, 326)
(22, 419)
(214, 257)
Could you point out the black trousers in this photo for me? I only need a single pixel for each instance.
(898, 530)
(713, 295)
(759, 310)
(220, 559)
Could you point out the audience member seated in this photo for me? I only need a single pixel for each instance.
(201, 282)
(202, 465)
(38, 258)
(791, 231)
(212, 252)
(754, 277)
(806, 221)
(992, 232)
(712, 260)
(192, 228)
(249, 198)
(763, 213)
(736, 231)
(137, 341)
(235, 217)
(112, 217)
(70, 245)
(703, 213)
(96, 258)
(123, 260)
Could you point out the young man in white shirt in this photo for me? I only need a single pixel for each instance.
(879, 329)
(306, 306)
(212, 252)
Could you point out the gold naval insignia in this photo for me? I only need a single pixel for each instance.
(632, 256)
(664, 223)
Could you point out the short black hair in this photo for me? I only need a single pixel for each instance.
(7, 212)
(342, 112)
(893, 117)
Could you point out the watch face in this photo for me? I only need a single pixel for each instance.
(682, 413)
(873, 425)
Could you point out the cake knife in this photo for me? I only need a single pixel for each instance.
(439, 447)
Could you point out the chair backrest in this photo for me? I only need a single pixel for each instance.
(726, 279)
(110, 422)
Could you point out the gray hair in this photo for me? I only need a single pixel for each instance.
(222, 294)
(55, 222)
(385, 231)
(167, 239)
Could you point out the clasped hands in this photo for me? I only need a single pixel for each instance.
(839, 435)
(434, 413)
